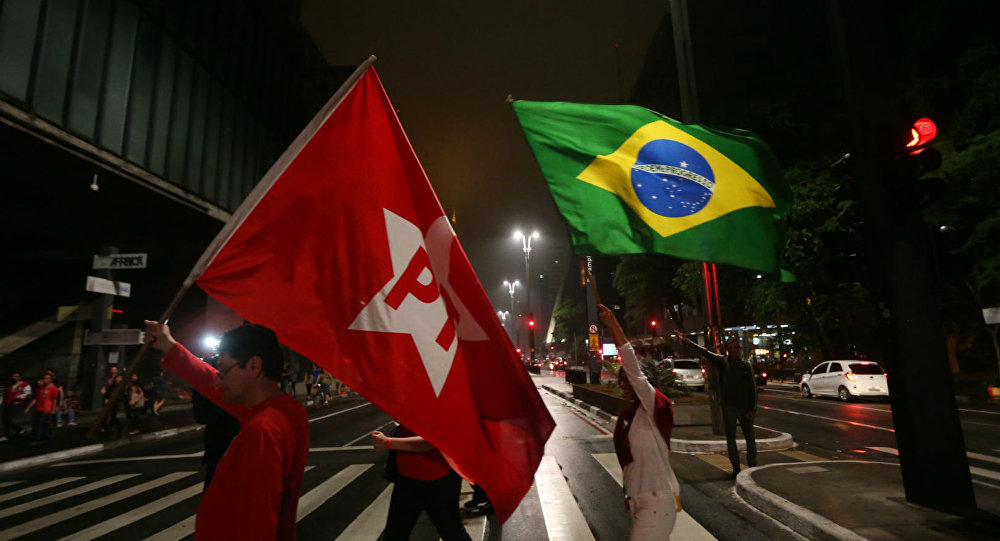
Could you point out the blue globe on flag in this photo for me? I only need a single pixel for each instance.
(672, 179)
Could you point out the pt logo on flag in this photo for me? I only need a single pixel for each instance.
(417, 298)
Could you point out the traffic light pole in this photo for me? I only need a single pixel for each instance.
(932, 457)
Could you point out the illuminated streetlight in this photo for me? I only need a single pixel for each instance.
(526, 245)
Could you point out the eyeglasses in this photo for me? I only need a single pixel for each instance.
(222, 373)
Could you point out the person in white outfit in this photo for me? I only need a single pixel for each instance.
(642, 443)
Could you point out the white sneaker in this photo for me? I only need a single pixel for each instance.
(72, 423)
(60, 423)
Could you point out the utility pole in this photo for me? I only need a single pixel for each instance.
(924, 410)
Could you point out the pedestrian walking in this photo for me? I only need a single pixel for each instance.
(16, 396)
(642, 444)
(738, 391)
(112, 423)
(136, 401)
(255, 491)
(158, 392)
(44, 403)
(424, 482)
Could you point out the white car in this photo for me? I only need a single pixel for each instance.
(687, 371)
(845, 380)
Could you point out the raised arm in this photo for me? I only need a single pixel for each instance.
(644, 391)
(197, 373)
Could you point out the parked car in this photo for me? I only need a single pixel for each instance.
(687, 371)
(557, 364)
(845, 379)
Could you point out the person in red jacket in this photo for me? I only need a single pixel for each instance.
(45, 406)
(642, 443)
(15, 397)
(255, 491)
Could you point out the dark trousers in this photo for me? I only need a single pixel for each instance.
(10, 411)
(43, 425)
(439, 498)
(132, 414)
(730, 415)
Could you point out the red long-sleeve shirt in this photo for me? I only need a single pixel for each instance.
(255, 491)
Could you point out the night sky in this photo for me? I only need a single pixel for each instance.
(448, 67)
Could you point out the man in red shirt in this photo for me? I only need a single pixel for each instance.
(16, 397)
(45, 406)
(255, 491)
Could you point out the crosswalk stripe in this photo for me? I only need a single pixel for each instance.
(128, 459)
(66, 514)
(982, 472)
(184, 528)
(686, 527)
(134, 515)
(803, 456)
(310, 501)
(563, 518)
(371, 520)
(37, 488)
(984, 458)
(176, 532)
(9, 483)
(4, 513)
(886, 450)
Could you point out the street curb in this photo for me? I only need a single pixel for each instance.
(782, 441)
(805, 522)
(86, 450)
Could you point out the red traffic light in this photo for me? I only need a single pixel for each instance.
(652, 323)
(531, 323)
(922, 132)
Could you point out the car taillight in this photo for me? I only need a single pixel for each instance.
(850, 376)
(702, 371)
(674, 370)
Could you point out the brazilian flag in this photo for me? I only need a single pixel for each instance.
(628, 180)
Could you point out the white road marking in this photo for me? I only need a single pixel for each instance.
(343, 448)
(9, 483)
(44, 521)
(853, 423)
(368, 434)
(127, 459)
(983, 472)
(134, 515)
(980, 411)
(339, 412)
(563, 518)
(37, 488)
(371, 520)
(4, 513)
(311, 500)
(984, 458)
(176, 532)
(685, 527)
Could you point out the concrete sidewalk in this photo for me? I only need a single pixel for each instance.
(847, 500)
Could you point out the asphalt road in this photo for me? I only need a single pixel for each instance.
(151, 490)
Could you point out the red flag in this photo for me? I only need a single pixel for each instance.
(350, 258)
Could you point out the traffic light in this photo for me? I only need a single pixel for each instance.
(652, 323)
(531, 323)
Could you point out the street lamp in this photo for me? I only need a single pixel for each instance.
(511, 286)
(526, 243)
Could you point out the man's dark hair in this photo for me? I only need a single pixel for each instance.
(244, 342)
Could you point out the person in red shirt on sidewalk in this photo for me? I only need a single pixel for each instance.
(45, 406)
(14, 399)
(255, 491)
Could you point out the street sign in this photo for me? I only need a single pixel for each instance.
(992, 315)
(595, 342)
(100, 285)
(593, 328)
(120, 261)
(113, 337)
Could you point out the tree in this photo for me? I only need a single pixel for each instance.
(571, 324)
